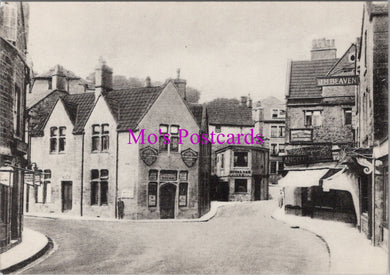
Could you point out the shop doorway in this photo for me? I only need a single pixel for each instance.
(257, 188)
(66, 194)
(167, 201)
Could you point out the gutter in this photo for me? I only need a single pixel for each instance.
(82, 176)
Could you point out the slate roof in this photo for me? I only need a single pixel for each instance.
(378, 8)
(229, 113)
(303, 78)
(129, 106)
(197, 110)
(50, 72)
(79, 107)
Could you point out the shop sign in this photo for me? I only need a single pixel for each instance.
(168, 175)
(240, 173)
(346, 80)
(301, 135)
(5, 178)
(149, 155)
(152, 200)
(189, 157)
(29, 178)
(127, 194)
(182, 200)
(37, 178)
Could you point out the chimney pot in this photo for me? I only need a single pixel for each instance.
(181, 85)
(147, 82)
(103, 77)
(243, 100)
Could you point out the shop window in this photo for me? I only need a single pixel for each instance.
(99, 187)
(100, 137)
(273, 167)
(152, 194)
(274, 131)
(308, 118)
(240, 186)
(347, 116)
(240, 159)
(163, 142)
(183, 189)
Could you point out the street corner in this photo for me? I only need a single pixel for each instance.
(34, 245)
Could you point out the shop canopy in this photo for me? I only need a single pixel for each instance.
(303, 178)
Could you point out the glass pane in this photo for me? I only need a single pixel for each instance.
(153, 174)
(152, 194)
(174, 129)
(104, 174)
(95, 129)
(103, 193)
(94, 174)
(47, 174)
(183, 187)
(105, 143)
(95, 143)
(105, 128)
(94, 193)
(53, 145)
(240, 159)
(62, 131)
(162, 146)
(164, 128)
(174, 144)
(240, 186)
(53, 131)
(61, 146)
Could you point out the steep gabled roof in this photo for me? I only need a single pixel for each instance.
(303, 78)
(344, 66)
(197, 110)
(79, 106)
(229, 113)
(65, 72)
(130, 105)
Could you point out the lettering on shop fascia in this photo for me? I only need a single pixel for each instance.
(338, 80)
(149, 155)
(240, 173)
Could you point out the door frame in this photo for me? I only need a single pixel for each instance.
(63, 182)
(176, 207)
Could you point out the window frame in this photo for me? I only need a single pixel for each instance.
(349, 112)
(235, 161)
(236, 186)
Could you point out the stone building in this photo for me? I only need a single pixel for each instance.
(89, 158)
(242, 172)
(319, 128)
(369, 159)
(14, 80)
(269, 117)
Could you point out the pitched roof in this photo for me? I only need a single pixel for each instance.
(64, 71)
(303, 78)
(197, 110)
(229, 113)
(79, 106)
(130, 105)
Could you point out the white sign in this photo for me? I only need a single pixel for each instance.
(29, 178)
(5, 178)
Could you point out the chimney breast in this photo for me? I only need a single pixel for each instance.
(323, 49)
(58, 78)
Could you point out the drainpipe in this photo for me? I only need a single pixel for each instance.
(373, 203)
(116, 175)
(82, 176)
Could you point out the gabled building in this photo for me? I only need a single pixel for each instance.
(14, 84)
(89, 155)
(269, 117)
(320, 126)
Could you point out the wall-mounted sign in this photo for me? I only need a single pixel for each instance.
(346, 80)
(168, 175)
(300, 135)
(127, 194)
(149, 155)
(29, 178)
(240, 173)
(182, 200)
(153, 175)
(5, 178)
(189, 157)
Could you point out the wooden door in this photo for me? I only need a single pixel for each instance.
(167, 201)
(257, 188)
(66, 196)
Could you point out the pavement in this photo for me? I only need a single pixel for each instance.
(350, 251)
(33, 246)
(242, 238)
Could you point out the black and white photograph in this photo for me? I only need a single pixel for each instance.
(194, 137)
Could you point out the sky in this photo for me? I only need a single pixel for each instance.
(223, 49)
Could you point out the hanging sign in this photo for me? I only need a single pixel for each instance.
(29, 178)
(37, 178)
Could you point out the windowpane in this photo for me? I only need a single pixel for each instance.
(62, 131)
(174, 144)
(94, 192)
(317, 119)
(308, 118)
(282, 113)
(281, 131)
(281, 167)
(53, 145)
(222, 160)
(240, 159)
(152, 194)
(218, 128)
(183, 187)
(47, 174)
(153, 175)
(348, 116)
(95, 129)
(273, 167)
(53, 131)
(105, 143)
(105, 129)
(95, 143)
(162, 146)
(164, 128)
(104, 174)
(281, 148)
(274, 113)
(240, 186)
(103, 193)
(174, 129)
(183, 175)
(94, 174)
(274, 131)
(274, 150)
(61, 146)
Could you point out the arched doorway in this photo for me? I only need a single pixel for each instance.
(167, 201)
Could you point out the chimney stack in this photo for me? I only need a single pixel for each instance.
(323, 49)
(181, 85)
(243, 100)
(148, 82)
(103, 77)
(249, 101)
(58, 78)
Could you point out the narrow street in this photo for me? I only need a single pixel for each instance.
(240, 239)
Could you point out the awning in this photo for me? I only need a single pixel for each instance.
(347, 182)
(303, 178)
